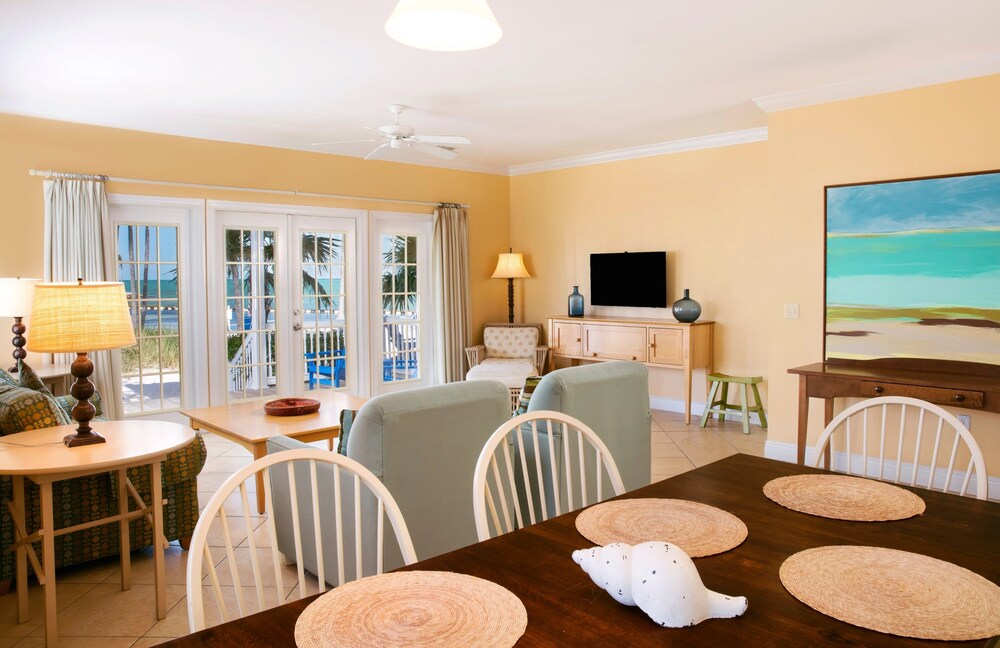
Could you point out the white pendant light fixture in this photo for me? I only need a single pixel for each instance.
(444, 25)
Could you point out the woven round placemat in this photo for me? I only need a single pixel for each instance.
(417, 608)
(842, 497)
(896, 592)
(698, 529)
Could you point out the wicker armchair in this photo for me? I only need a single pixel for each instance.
(509, 354)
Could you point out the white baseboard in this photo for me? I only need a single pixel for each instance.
(697, 409)
(783, 451)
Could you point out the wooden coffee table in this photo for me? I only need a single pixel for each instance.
(246, 423)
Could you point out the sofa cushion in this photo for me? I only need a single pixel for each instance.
(510, 371)
(27, 377)
(510, 341)
(23, 409)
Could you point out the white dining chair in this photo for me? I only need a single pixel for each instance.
(532, 466)
(237, 550)
(904, 441)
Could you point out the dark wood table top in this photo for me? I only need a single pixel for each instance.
(565, 608)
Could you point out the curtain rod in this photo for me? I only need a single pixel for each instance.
(196, 185)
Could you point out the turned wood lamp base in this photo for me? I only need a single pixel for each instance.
(84, 411)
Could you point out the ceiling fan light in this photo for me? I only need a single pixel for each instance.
(444, 25)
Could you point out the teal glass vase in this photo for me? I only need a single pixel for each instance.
(576, 303)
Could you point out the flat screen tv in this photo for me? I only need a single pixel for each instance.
(629, 279)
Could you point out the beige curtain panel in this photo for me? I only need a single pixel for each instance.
(450, 276)
(77, 233)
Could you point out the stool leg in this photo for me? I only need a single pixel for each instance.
(746, 413)
(760, 407)
(724, 400)
(707, 414)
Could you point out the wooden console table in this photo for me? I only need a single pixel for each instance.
(655, 343)
(829, 381)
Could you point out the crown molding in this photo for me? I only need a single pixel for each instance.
(968, 69)
(649, 150)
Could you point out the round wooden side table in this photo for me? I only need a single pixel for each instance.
(41, 456)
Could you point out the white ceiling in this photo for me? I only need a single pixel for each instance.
(569, 78)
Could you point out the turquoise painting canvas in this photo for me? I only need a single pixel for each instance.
(913, 269)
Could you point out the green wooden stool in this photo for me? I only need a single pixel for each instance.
(721, 406)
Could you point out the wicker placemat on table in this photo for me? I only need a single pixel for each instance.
(896, 592)
(417, 608)
(698, 529)
(842, 497)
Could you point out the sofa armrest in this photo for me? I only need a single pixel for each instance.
(541, 353)
(179, 466)
(475, 354)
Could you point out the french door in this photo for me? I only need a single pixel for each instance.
(282, 291)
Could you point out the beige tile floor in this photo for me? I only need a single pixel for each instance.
(93, 611)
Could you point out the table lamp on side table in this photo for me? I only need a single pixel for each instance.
(15, 301)
(78, 318)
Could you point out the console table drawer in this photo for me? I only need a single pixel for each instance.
(955, 397)
(614, 342)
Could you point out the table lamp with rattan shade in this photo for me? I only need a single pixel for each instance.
(16, 294)
(78, 318)
(510, 266)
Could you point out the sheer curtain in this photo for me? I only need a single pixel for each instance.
(450, 276)
(77, 232)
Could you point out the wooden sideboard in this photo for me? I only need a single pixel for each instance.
(829, 381)
(656, 343)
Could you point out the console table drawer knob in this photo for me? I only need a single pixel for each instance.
(633, 357)
(959, 398)
(879, 389)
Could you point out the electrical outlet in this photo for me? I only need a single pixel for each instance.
(965, 419)
(791, 311)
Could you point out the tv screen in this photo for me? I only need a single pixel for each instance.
(629, 279)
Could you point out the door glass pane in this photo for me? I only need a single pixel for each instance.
(250, 303)
(400, 315)
(147, 265)
(324, 332)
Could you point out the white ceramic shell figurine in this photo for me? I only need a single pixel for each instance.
(660, 579)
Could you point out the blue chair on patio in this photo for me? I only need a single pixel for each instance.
(324, 374)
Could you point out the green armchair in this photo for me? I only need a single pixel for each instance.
(28, 405)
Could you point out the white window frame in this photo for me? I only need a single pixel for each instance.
(188, 215)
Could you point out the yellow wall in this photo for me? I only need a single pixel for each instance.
(702, 207)
(27, 143)
(744, 227)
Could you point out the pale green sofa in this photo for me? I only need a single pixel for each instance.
(612, 398)
(423, 444)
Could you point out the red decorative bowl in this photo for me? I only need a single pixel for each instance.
(291, 406)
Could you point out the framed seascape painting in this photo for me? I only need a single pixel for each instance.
(913, 270)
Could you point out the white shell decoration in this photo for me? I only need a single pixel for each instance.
(660, 579)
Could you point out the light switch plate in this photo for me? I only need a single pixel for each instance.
(791, 311)
(965, 419)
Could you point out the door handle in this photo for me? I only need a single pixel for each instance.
(296, 326)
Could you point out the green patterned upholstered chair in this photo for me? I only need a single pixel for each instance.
(28, 405)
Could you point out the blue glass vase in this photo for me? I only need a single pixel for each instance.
(686, 309)
(576, 303)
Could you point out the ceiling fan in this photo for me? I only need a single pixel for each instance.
(399, 136)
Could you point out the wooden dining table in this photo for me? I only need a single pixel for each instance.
(565, 608)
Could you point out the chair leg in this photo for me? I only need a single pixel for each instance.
(707, 414)
(724, 400)
(760, 407)
(743, 408)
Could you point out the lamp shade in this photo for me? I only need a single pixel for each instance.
(444, 25)
(16, 294)
(510, 266)
(80, 317)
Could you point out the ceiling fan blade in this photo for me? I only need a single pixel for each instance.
(341, 142)
(436, 151)
(376, 150)
(442, 139)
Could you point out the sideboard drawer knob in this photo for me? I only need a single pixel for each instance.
(879, 389)
(959, 398)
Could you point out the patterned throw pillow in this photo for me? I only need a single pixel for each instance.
(346, 421)
(529, 386)
(7, 378)
(27, 378)
(24, 409)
